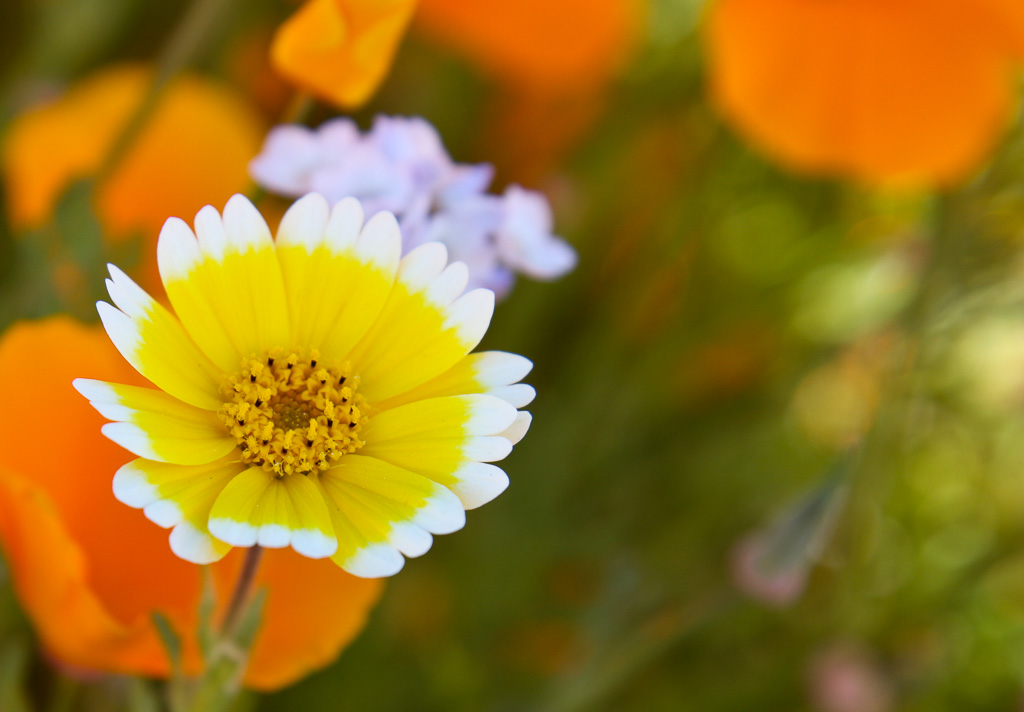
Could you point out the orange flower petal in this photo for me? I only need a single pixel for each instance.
(341, 50)
(89, 570)
(570, 44)
(1008, 23)
(914, 92)
(67, 540)
(51, 577)
(194, 151)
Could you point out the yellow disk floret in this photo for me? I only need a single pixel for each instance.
(293, 415)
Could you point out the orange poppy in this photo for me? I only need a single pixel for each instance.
(912, 92)
(542, 45)
(194, 150)
(88, 570)
(340, 50)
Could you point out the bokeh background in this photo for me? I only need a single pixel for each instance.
(777, 458)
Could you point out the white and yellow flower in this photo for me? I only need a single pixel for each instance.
(314, 391)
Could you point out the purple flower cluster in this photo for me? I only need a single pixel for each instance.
(401, 166)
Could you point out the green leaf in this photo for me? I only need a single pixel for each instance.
(170, 639)
(14, 657)
(141, 696)
(225, 666)
(176, 692)
(206, 631)
(251, 620)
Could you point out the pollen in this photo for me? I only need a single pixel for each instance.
(293, 414)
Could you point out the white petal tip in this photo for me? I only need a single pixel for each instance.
(375, 561)
(410, 539)
(177, 251)
(344, 224)
(500, 368)
(380, 242)
(163, 512)
(477, 483)
(422, 265)
(305, 222)
(195, 546)
(517, 431)
(244, 226)
(488, 415)
(273, 536)
(470, 315)
(518, 395)
(313, 543)
(132, 488)
(487, 448)
(94, 390)
(443, 513)
(233, 532)
(132, 438)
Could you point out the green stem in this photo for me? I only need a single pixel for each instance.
(226, 661)
(897, 420)
(188, 38)
(299, 109)
(64, 694)
(242, 592)
(618, 664)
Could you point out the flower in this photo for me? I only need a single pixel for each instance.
(551, 85)
(196, 120)
(772, 564)
(314, 392)
(845, 677)
(341, 50)
(923, 106)
(776, 587)
(88, 571)
(535, 44)
(401, 166)
(523, 238)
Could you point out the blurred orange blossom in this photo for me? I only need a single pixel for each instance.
(897, 92)
(88, 570)
(538, 45)
(551, 60)
(342, 49)
(193, 150)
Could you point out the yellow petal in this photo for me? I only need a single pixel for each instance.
(337, 272)
(440, 437)
(154, 342)
(156, 426)
(483, 372)
(417, 336)
(257, 507)
(180, 497)
(381, 511)
(226, 287)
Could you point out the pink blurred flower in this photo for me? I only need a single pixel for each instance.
(754, 574)
(845, 678)
(772, 563)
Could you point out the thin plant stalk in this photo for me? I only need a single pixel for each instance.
(243, 590)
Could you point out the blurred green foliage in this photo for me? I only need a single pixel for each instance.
(732, 335)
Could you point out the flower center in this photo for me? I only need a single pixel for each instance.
(293, 415)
